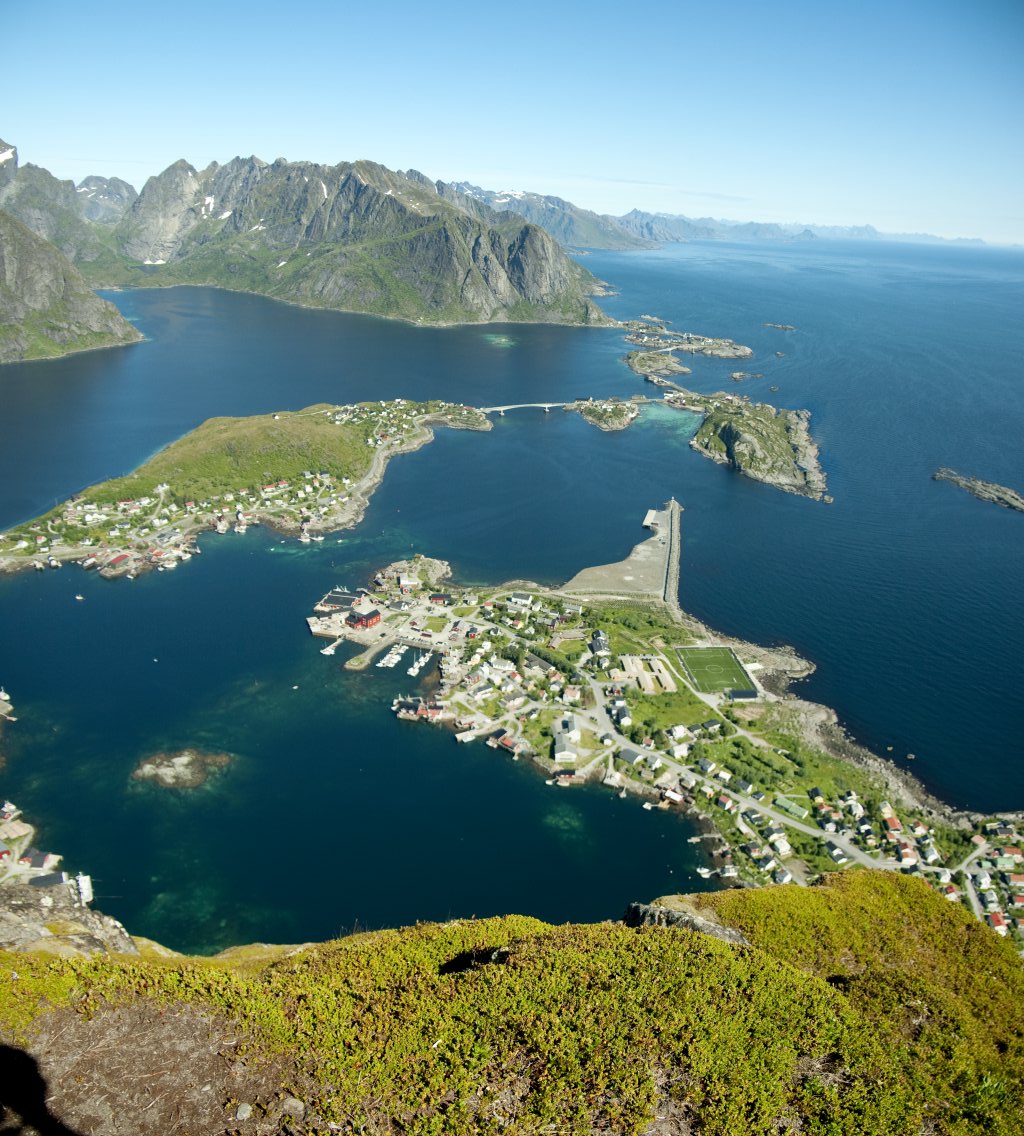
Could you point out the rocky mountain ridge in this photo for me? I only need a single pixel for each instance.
(46, 308)
(354, 236)
(570, 225)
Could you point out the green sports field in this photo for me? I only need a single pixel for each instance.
(713, 669)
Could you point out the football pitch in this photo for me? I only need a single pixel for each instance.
(713, 669)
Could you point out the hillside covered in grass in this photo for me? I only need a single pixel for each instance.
(866, 1005)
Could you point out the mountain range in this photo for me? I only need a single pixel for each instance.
(354, 236)
(579, 228)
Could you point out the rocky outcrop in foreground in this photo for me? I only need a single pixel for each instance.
(54, 920)
(656, 915)
(983, 490)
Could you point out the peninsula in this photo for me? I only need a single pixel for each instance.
(303, 472)
(983, 490)
(605, 679)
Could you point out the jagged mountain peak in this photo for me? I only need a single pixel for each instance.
(354, 235)
(8, 162)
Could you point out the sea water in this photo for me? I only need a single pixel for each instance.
(333, 814)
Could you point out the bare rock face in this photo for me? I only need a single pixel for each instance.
(54, 920)
(105, 200)
(8, 164)
(164, 212)
(61, 213)
(355, 235)
(655, 915)
(46, 308)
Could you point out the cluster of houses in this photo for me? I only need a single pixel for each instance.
(20, 860)
(489, 680)
(145, 524)
(997, 878)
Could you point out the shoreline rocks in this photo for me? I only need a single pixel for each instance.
(184, 769)
(983, 490)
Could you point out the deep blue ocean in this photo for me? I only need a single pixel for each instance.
(905, 592)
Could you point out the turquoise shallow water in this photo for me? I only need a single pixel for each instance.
(905, 592)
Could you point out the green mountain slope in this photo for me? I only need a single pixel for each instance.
(46, 308)
(354, 236)
(866, 1006)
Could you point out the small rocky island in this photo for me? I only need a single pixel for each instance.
(655, 336)
(983, 490)
(608, 413)
(759, 441)
(660, 363)
(185, 769)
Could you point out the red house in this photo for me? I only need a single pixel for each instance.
(363, 619)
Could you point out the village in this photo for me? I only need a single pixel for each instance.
(22, 862)
(541, 676)
(122, 534)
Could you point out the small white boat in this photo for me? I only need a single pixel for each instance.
(77, 597)
(648, 806)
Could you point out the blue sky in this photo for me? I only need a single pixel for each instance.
(905, 114)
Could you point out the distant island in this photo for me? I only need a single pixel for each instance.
(575, 227)
(983, 490)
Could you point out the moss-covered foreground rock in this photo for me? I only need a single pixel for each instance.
(868, 1005)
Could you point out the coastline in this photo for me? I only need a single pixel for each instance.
(340, 516)
(420, 322)
(580, 719)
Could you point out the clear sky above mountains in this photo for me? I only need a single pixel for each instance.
(908, 116)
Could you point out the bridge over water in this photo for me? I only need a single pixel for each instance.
(524, 406)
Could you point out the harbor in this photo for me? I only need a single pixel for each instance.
(565, 679)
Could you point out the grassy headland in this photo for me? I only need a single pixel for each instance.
(306, 470)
